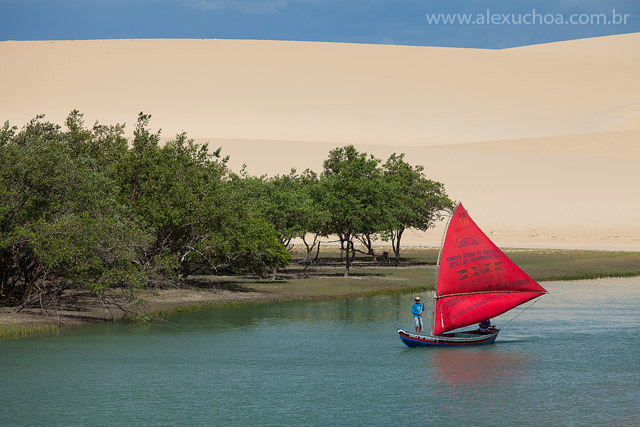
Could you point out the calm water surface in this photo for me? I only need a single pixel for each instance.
(571, 359)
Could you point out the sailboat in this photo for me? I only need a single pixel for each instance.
(475, 281)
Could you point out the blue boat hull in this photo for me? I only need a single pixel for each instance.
(465, 338)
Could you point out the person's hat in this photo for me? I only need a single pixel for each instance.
(417, 298)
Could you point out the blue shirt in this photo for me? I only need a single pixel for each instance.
(417, 309)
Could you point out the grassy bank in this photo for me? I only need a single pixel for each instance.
(550, 264)
(24, 331)
(415, 274)
(541, 264)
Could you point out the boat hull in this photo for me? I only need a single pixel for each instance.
(465, 338)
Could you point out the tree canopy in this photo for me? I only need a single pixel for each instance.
(84, 207)
(413, 201)
(366, 200)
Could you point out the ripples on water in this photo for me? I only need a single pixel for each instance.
(571, 359)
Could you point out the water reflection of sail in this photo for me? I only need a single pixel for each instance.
(475, 368)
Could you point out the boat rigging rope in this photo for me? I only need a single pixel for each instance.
(521, 311)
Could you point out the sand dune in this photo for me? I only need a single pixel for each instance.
(540, 142)
(570, 191)
(618, 46)
(338, 93)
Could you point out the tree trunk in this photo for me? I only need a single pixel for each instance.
(365, 239)
(317, 252)
(395, 243)
(29, 281)
(315, 244)
(349, 258)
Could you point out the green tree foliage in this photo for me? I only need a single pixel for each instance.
(84, 207)
(315, 220)
(364, 200)
(81, 208)
(293, 204)
(60, 224)
(196, 211)
(353, 197)
(240, 239)
(171, 190)
(413, 201)
(287, 202)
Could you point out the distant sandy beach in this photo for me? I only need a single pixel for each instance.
(541, 143)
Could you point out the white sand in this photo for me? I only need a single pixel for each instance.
(541, 143)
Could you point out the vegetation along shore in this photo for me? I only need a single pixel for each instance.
(414, 274)
(96, 227)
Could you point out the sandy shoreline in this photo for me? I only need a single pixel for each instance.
(416, 274)
(90, 309)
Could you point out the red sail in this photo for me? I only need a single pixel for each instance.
(476, 281)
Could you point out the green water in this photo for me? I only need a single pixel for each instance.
(573, 358)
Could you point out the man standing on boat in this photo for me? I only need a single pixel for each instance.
(417, 310)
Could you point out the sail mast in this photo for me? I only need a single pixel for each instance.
(437, 270)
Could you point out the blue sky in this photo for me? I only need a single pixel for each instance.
(403, 22)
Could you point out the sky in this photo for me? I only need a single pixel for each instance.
(492, 24)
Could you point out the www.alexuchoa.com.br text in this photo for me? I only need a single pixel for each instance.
(531, 18)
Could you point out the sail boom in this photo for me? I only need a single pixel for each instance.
(460, 311)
